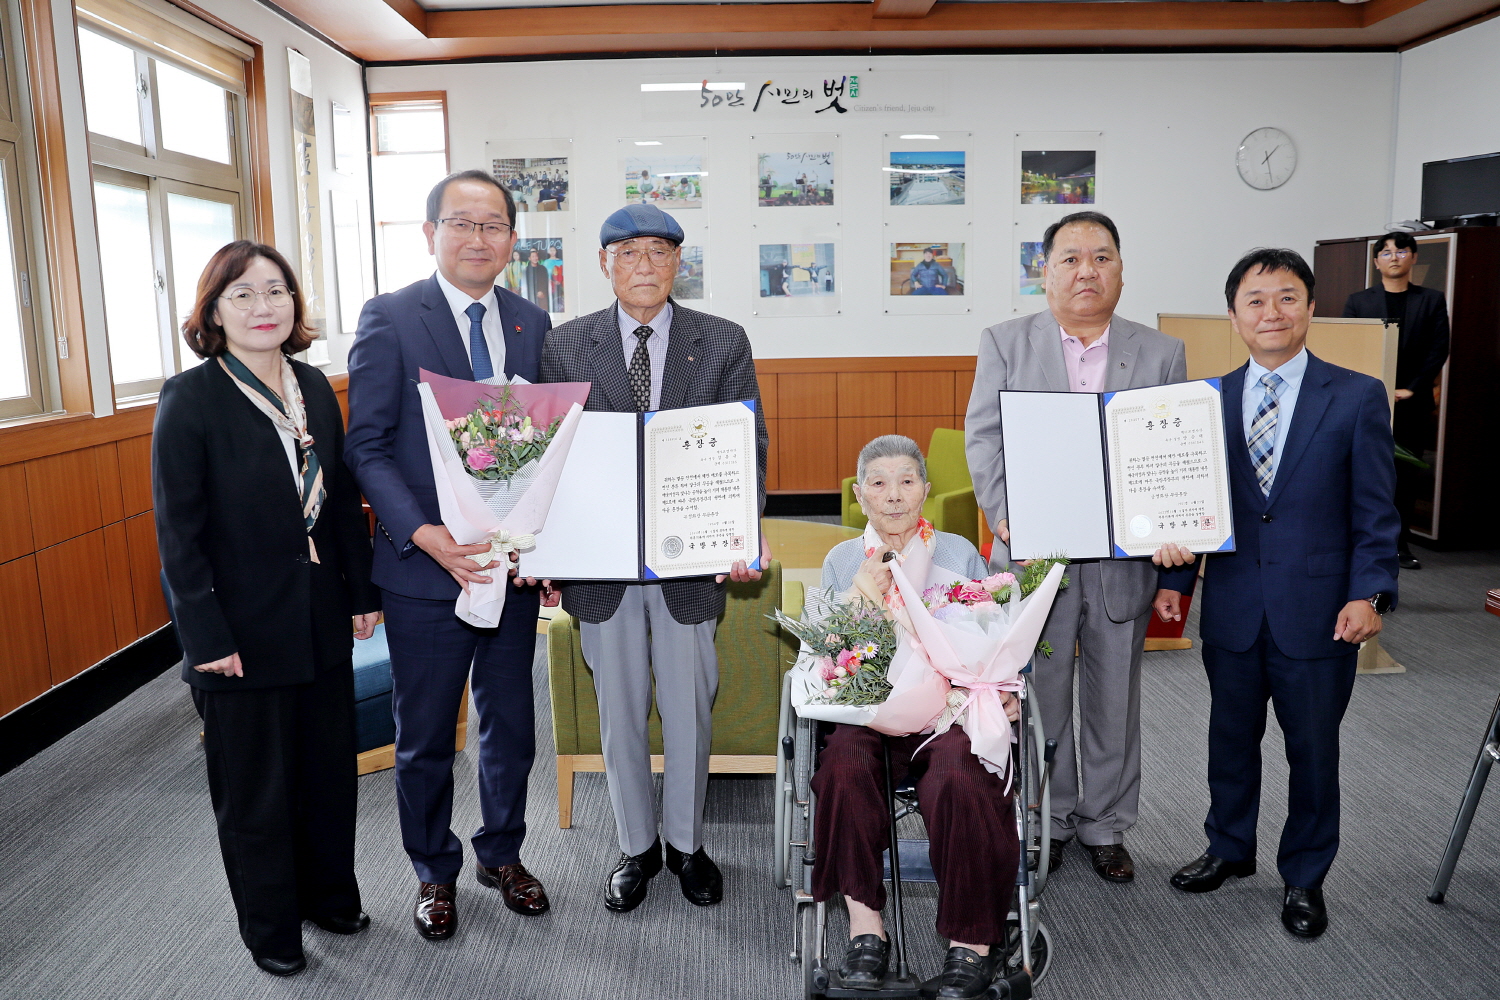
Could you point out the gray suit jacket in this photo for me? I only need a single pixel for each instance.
(1027, 354)
(708, 361)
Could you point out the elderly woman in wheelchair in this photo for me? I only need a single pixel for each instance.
(969, 816)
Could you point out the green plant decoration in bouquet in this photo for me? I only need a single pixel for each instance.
(853, 646)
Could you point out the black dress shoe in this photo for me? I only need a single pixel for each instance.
(865, 962)
(966, 975)
(702, 883)
(1055, 855)
(436, 912)
(1408, 561)
(349, 923)
(281, 966)
(1303, 912)
(631, 877)
(1112, 862)
(1207, 873)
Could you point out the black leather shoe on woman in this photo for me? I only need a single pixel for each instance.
(966, 974)
(865, 962)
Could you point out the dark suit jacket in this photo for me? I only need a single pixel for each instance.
(1325, 536)
(708, 361)
(399, 333)
(233, 541)
(1424, 334)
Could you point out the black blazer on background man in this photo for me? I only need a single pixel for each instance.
(233, 541)
(708, 361)
(1424, 332)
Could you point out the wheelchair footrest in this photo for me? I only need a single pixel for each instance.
(916, 865)
(894, 986)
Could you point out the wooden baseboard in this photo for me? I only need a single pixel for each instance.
(1155, 643)
(719, 763)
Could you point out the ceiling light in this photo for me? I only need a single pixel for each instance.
(654, 88)
(917, 136)
(648, 142)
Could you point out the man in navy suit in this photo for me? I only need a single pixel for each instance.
(460, 324)
(1312, 473)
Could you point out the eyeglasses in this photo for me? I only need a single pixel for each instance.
(491, 230)
(631, 257)
(243, 298)
(1393, 254)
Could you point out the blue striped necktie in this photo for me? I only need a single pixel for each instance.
(1263, 432)
(479, 351)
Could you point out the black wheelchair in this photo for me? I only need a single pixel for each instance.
(1028, 951)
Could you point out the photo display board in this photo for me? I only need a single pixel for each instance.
(928, 218)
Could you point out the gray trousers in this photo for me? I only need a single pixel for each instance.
(642, 639)
(1095, 790)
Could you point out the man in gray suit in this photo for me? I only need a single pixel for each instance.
(1078, 344)
(678, 357)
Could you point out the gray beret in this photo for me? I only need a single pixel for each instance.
(639, 220)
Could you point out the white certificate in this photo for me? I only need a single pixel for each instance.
(701, 499)
(1118, 474)
(1169, 481)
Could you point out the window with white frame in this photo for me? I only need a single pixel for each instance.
(411, 155)
(22, 391)
(164, 98)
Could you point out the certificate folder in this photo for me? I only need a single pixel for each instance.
(1118, 474)
(660, 495)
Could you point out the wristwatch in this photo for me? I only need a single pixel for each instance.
(1381, 602)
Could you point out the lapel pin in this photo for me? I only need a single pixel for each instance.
(1122, 364)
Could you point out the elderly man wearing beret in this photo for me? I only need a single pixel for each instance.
(646, 352)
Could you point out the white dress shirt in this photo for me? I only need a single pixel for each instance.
(494, 332)
(1291, 373)
(656, 344)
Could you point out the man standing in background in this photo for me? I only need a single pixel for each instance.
(1078, 344)
(1423, 315)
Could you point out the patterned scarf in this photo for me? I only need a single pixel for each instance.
(926, 536)
(289, 413)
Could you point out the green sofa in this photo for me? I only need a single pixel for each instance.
(754, 652)
(950, 506)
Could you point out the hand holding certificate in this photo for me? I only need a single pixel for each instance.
(1117, 474)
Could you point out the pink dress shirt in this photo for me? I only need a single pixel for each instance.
(1085, 364)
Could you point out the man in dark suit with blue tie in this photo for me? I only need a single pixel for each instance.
(456, 323)
(1312, 473)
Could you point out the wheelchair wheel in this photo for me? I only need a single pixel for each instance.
(1041, 951)
(783, 859)
(810, 951)
(1037, 792)
(801, 805)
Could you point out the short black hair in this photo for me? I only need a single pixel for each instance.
(435, 196)
(1268, 259)
(1090, 218)
(1399, 241)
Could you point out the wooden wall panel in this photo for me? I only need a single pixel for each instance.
(63, 497)
(768, 394)
(121, 594)
(773, 459)
(811, 395)
(111, 507)
(135, 474)
(15, 513)
(809, 449)
(963, 388)
(924, 394)
(919, 429)
(23, 643)
(866, 394)
(145, 574)
(76, 609)
(854, 434)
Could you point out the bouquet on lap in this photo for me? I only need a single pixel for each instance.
(497, 454)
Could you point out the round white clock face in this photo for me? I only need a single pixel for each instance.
(1266, 158)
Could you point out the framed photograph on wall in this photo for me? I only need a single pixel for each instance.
(795, 180)
(927, 177)
(670, 182)
(535, 272)
(927, 277)
(537, 183)
(691, 283)
(797, 279)
(1058, 177)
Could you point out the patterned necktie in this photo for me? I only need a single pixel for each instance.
(479, 351)
(1263, 432)
(640, 370)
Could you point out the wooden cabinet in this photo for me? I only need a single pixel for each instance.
(1456, 508)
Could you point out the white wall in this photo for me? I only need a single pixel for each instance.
(1448, 107)
(1171, 123)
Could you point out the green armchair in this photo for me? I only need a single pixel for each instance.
(950, 506)
(754, 652)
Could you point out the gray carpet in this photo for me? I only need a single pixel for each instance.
(112, 887)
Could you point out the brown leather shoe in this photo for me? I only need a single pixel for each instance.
(1111, 862)
(520, 889)
(436, 912)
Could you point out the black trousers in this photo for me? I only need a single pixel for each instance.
(282, 773)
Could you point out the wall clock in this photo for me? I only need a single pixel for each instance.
(1266, 158)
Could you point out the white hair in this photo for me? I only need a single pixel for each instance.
(890, 446)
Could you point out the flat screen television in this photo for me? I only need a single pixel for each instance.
(1462, 188)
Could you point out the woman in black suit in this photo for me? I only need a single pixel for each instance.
(266, 556)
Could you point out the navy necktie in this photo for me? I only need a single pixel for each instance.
(479, 351)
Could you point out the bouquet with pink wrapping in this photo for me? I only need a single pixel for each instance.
(497, 453)
(979, 635)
